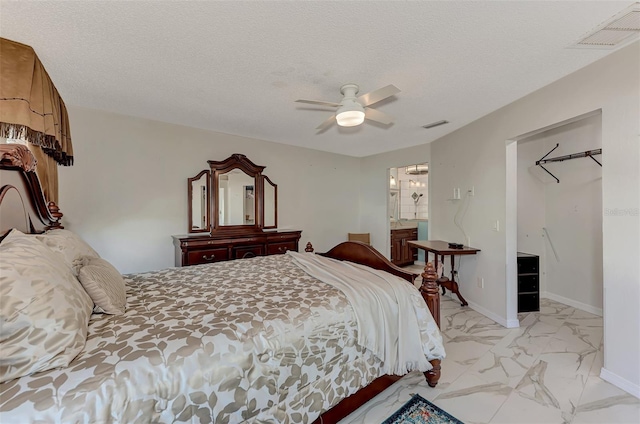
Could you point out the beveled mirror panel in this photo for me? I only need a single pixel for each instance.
(198, 192)
(236, 198)
(270, 203)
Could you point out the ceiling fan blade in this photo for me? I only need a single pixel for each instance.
(318, 102)
(376, 115)
(326, 124)
(377, 95)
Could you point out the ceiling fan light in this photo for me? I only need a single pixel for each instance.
(350, 118)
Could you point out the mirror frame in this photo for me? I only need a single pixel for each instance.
(275, 202)
(208, 202)
(241, 162)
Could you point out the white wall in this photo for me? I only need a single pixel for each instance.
(571, 211)
(127, 191)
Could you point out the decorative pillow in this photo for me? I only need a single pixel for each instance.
(69, 245)
(44, 311)
(104, 284)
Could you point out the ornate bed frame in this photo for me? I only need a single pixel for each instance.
(22, 202)
(364, 254)
(23, 206)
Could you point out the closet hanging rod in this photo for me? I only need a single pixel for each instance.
(587, 153)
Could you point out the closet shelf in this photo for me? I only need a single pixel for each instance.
(585, 154)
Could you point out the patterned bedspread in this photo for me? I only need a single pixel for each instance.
(254, 340)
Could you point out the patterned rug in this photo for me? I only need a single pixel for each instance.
(420, 411)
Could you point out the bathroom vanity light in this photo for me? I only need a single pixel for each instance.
(417, 169)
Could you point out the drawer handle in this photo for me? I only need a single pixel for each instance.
(280, 249)
(208, 258)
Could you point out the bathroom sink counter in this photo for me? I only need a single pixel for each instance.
(412, 223)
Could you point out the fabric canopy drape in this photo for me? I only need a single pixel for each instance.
(31, 109)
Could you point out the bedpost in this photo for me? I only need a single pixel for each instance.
(309, 247)
(431, 295)
(433, 375)
(430, 292)
(54, 210)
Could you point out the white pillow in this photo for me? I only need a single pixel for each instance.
(44, 311)
(104, 284)
(69, 245)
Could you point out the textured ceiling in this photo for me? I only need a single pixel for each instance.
(237, 67)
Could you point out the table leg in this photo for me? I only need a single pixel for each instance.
(451, 284)
(443, 277)
(453, 268)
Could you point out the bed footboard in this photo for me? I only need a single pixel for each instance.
(366, 255)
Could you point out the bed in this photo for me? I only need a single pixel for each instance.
(264, 339)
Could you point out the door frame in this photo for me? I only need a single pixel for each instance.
(511, 221)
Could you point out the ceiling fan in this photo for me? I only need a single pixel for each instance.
(353, 111)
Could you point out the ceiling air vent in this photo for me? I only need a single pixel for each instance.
(621, 29)
(435, 124)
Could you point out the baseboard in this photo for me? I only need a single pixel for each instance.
(571, 302)
(616, 380)
(511, 323)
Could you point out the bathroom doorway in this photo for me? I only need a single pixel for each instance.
(408, 207)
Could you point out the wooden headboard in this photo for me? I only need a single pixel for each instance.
(22, 202)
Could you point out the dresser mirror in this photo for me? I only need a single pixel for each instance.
(270, 203)
(232, 196)
(235, 198)
(198, 189)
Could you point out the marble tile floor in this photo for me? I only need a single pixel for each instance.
(545, 371)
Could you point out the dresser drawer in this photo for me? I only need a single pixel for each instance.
(528, 283)
(206, 256)
(241, 252)
(281, 248)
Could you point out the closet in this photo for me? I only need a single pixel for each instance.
(560, 215)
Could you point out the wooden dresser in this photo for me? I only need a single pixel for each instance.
(197, 249)
(232, 214)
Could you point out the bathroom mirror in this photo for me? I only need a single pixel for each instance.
(198, 190)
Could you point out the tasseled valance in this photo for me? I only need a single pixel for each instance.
(30, 107)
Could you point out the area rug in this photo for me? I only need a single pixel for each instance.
(420, 411)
